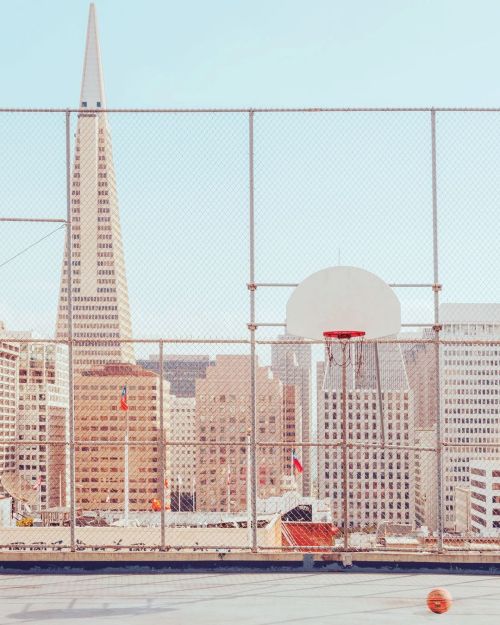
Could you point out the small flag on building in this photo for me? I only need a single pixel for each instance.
(296, 462)
(37, 484)
(124, 399)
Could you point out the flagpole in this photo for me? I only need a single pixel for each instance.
(228, 488)
(126, 477)
(285, 407)
(192, 492)
(249, 495)
(126, 470)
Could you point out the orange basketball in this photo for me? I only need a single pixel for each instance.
(439, 600)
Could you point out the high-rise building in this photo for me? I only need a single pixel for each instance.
(380, 481)
(9, 356)
(43, 418)
(485, 497)
(182, 477)
(181, 371)
(102, 456)
(292, 412)
(420, 361)
(99, 287)
(223, 424)
(291, 363)
(470, 394)
(426, 492)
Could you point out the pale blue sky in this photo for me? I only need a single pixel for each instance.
(279, 53)
(358, 183)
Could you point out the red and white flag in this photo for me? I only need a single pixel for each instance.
(297, 465)
(124, 399)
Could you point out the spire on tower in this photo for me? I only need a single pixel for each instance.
(92, 93)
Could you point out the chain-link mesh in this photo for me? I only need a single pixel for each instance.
(169, 411)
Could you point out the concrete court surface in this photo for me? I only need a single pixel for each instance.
(244, 598)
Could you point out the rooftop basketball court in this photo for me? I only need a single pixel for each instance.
(257, 598)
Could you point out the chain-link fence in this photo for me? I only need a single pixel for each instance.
(149, 396)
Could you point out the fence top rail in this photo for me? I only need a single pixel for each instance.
(416, 109)
(225, 341)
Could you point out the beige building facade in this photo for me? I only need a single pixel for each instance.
(223, 424)
(426, 492)
(101, 432)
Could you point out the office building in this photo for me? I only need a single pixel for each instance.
(9, 358)
(470, 388)
(43, 419)
(223, 425)
(102, 456)
(426, 492)
(99, 286)
(291, 363)
(381, 486)
(485, 497)
(182, 477)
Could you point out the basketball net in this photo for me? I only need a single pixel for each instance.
(339, 349)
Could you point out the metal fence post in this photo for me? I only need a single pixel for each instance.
(252, 328)
(162, 452)
(437, 328)
(69, 281)
(345, 458)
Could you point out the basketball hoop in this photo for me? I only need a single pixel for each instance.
(343, 334)
(343, 339)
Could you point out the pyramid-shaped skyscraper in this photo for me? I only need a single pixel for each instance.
(100, 296)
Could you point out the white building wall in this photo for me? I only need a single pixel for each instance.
(381, 482)
(6, 519)
(470, 394)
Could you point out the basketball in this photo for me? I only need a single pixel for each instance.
(439, 600)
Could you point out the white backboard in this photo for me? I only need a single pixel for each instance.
(343, 298)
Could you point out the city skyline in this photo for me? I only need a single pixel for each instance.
(157, 158)
(317, 189)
